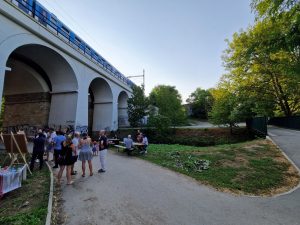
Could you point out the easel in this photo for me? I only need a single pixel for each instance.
(11, 142)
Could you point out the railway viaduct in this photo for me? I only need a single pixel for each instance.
(45, 81)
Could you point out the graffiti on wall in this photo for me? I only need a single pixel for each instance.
(82, 129)
(32, 130)
(28, 129)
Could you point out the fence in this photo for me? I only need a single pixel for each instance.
(258, 126)
(292, 122)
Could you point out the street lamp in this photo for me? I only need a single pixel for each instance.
(143, 75)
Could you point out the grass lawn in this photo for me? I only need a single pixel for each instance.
(255, 167)
(27, 205)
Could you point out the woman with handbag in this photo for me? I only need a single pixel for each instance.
(66, 159)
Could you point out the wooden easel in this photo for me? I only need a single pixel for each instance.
(12, 144)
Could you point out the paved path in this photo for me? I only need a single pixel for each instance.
(134, 191)
(288, 140)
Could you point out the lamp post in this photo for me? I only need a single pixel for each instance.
(143, 75)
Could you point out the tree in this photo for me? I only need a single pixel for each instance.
(201, 103)
(263, 70)
(221, 113)
(263, 65)
(168, 101)
(137, 106)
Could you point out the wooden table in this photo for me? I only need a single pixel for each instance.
(114, 141)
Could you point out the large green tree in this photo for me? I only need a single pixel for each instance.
(201, 102)
(264, 67)
(137, 106)
(168, 101)
(263, 64)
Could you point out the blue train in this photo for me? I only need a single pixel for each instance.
(49, 20)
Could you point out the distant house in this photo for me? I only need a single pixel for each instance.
(188, 109)
(153, 110)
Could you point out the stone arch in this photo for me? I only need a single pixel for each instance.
(123, 109)
(41, 81)
(100, 105)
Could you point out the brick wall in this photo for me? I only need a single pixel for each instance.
(26, 109)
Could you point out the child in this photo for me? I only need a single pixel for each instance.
(95, 148)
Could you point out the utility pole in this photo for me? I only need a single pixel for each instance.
(142, 75)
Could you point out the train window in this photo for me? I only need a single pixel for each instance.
(65, 31)
(88, 50)
(41, 14)
(44, 18)
(25, 5)
(53, 21)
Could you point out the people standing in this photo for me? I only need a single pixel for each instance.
(139, 137)
(38, 149)
(103, 145)
(58, 140)
(145, 144)
(86, 153)
(75, 142)
(66, 159)
(49, 144)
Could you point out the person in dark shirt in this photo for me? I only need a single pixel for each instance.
(103, 145)
(38, 149)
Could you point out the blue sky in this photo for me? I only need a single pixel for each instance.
(177, 42)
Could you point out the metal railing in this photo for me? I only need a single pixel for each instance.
(49, 21)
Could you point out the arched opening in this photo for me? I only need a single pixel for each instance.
(100, 106)
(39, 90)
(123, 110)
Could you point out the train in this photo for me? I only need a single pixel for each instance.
(37, 11)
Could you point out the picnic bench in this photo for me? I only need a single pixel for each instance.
(119, 147)
(123, 147)
(136, 146)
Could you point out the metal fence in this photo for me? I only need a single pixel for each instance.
(258, 125)
(292, 122)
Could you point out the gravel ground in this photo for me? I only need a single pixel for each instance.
(133, 191)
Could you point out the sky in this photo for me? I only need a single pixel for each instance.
(176, 42)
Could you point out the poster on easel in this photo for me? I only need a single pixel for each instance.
(15, 144)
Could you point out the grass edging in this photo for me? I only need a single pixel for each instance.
(50, 201)
(292, 162)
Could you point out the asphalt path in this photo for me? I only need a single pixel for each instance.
(288, 140)
(134, 191)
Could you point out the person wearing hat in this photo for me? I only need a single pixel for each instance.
(38, 149)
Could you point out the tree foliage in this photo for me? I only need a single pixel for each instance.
(264, 67)
(168, 101)
(263, 64)
(201, 103)
(267, 8)
(137, 106)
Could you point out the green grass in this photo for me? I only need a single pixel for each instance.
(35, 191)
(250, 167)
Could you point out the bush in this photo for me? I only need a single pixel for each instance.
(193, 137)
